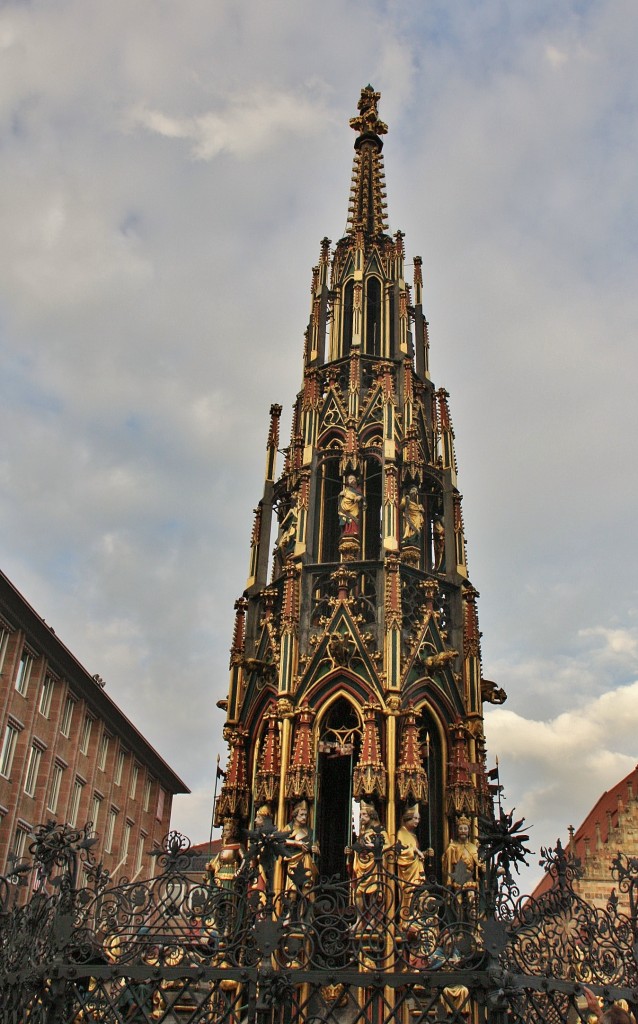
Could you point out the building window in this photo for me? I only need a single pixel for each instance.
(148, 785)
(159, 813)
(19, 844)
(119, 767)
(126, 840)
(24, 671)
(140, 853)
(46, 696)
(33, 767)
(110, 829)
(86, 734)
(4, 643)
(8, 750)
(134, 777)
(95, 810)
(103, 754)
(54, 789)
(74, 805)
(67, 717)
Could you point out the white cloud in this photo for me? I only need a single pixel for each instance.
(555, 56)
(247, 125)
(555, 770)
(623, 642)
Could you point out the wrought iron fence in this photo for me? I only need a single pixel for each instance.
(276, 945)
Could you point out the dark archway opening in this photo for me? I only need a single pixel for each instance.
(431, 832)
(348, 313)
(372, 514)
(373, 317)
(339, 743)
(327, 526)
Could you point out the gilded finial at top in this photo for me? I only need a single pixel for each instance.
(368, 119)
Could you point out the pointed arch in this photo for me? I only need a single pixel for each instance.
(435, 755)
(339, 682)
(337, 743)
(434, 825)
(332, 438)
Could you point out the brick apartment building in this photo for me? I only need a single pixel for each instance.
(68, 753)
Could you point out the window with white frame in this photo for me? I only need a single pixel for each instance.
(46, 696)
(86, 734)
(110, 830)
(8, 749)
(33, 767)
(74, 804)
(141, 842)
(67, 716)
(135, 773)
(103, 752)
(4, 643)
(95, 810)
(24, 672)
(161, 796)
(119, 767)
(19, 843)
(148, 785)
(54, 787)
(126, 840)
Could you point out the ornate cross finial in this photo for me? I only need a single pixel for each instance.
(368, 119)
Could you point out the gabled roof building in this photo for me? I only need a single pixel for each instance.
(610, 828)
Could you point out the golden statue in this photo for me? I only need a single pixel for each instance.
(263, 818)
(462, 851)
(230, 858)
(222, 869)
(299, 841)
(363, 862)
(410, 859)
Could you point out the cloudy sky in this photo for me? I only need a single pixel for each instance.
(168, 169)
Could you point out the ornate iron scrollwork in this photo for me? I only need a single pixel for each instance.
(271, 947)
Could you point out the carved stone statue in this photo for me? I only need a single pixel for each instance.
(438, 536)
(349, 507)
(287, 533)
(413, 516)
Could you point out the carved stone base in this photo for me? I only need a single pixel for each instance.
(411, 556)
(349, 549)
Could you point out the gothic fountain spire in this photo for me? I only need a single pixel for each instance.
(356, 663)
(366, 211)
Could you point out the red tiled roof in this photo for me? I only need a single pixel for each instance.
(603, 813)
